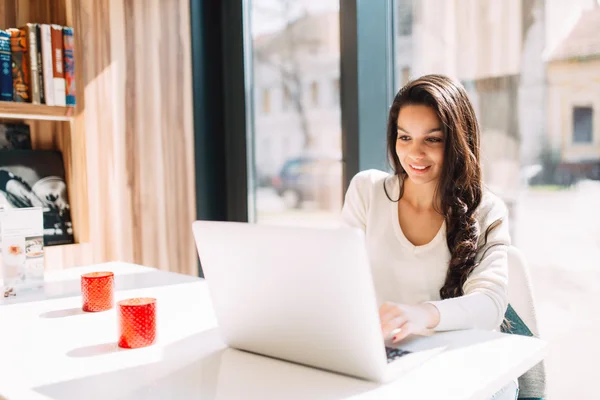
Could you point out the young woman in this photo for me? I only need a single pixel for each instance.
(436, 238)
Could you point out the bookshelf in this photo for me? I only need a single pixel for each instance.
(21, 111)
(56, 127)
(128, 145)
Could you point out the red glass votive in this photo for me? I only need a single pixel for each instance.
(97, 290)
(137, 322)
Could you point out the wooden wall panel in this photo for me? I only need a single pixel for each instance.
(16, 13)
(70, 255)
(8, 13)
(139, 134)
(109, 193)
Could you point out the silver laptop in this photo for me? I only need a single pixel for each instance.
(304, 295)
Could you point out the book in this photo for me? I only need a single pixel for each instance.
(6, 84)
(58, 66)
(36, 178)
(20, 65)
(34, 77)
(47, 65)
(15, 137)
(38, 33)
(69, 56)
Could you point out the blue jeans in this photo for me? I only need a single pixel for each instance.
(508, 392)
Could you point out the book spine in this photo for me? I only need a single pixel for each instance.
(69, 56)
(33, 62)
(20, 65)
(58, 66)
(6, 83)
(47, 65)
(38, 35)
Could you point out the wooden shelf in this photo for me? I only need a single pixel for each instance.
(13, 110)
(68, 255)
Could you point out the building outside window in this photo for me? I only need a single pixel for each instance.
(287, 98)
(314, 94)
(266, 103)
(295, 46)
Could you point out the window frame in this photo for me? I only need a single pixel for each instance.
(367, 83)
(223, 102)
(223, 158)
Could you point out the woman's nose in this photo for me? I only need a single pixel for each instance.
(416, 152)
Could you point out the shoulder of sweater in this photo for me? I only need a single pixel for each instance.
(491, 206)
(371, 176)
(367, 179)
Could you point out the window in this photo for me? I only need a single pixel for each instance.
(314, 94)
(295, 47)
(499, 51)
(582, 124)
(266, 101)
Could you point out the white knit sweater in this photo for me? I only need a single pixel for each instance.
(408, 274)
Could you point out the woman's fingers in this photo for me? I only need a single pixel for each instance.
(407, 329)
(388, 327)
(389, 311)
(400, 320)
(410, 329)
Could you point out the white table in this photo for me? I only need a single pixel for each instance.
(56, 351)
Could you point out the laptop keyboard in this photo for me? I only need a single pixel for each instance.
(393, 354)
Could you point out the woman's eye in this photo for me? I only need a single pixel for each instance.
(404, 138)
(434, 140)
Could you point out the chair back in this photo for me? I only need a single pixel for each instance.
(520, 289)
(523, 320)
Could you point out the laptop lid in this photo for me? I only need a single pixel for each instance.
(300, 294)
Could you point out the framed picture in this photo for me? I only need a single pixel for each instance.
(36, 178)
(15, 137)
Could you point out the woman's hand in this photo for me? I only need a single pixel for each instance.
(402, 320)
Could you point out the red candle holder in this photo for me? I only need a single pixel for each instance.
(97, 290)
(137, 322)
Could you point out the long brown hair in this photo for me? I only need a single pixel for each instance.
(460, 186)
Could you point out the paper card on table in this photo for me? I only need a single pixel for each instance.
(22, 249)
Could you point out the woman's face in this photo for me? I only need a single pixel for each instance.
(420, 143)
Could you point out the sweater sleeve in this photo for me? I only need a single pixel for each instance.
(356, 202)
(485, 298)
